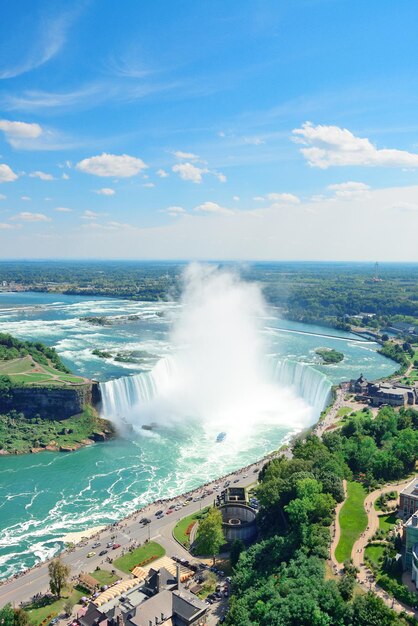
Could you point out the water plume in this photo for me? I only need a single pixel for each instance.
(219, 375)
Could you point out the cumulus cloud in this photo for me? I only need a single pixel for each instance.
(16, 131)
(90, 215)
(189, 156)
(350, 189)
(149, 185)
(26, 198)
(41, 175)
(221, 177)
(7, 175)
(175, 211)
(120, 166)
(63, 209)
(236, 198)
(285, 198)
(26, 216)
(212, 207)
(188, 171)
(105, 191)
(333, 146)
(65, 176)
(162, 173)
(5, 226)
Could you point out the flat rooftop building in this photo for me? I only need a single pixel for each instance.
(408, 499)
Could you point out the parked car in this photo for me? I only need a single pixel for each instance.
(90, 554)
(169, 511)
(236, 480)
(103, 552)
(53, 621)
(96, 544)
(255, 470)
(159, 513)
(115, 545)
(109, 544)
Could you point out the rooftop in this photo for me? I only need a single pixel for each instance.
(412, 488)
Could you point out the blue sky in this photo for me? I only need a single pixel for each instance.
(209, 129)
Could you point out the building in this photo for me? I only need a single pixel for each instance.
(402, 328)
(378, 394)
(408, 500)
(159, 600)
(410, 556)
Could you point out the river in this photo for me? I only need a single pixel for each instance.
(43, 497)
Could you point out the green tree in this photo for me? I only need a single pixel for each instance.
(236, 548)
(210, 537)
(58, 576)
(7, 615)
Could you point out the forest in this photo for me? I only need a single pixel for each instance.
(282, 580)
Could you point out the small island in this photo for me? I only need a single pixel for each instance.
(43, 406)
(329, 356)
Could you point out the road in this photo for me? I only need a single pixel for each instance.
(21, 589)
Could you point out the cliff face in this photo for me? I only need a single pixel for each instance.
(50, 402)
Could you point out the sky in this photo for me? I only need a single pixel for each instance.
(209, 129)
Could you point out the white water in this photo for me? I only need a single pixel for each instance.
(126, 399)
(219, 375)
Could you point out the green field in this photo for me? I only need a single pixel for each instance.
(374, 554)
(104, 577)
(180, 528)
(46, 609)
(387, 522)
(130, 560)
(25, 370)
(353, 520)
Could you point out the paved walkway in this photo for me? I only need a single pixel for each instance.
(365, 576)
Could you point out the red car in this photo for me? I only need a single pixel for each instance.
(116, 545)
(169, 511)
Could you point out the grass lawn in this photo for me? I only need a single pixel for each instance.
(45, 609)
(353, 520)
(345, 410)
(387, 521)
(374, 554)
(150, 550)
(180, 528)
(104, 577)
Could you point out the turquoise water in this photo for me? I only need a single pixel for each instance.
(43, 497)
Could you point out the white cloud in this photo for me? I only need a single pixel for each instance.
(4, 226)
(120, 166)
(175, 211)
(162, 173)
(212, 207)
(188, 171)
(349, 190)
(189, 156)
(285, 198)
(7, 175)
(2, 196)
(105, 191)
(26, 198)
(65, 176)
(221, 177)
(236, 198)
(26, 216)
(333, 146)
(16, 131)
(41, 175)
(254, 141)
(90, 215)
(63, 209)
(405, 206)
(149, 185)
(51, 36)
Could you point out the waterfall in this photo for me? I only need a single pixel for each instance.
(309, 383)
(119, 396)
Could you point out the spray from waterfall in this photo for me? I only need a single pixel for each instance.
(219, 375)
